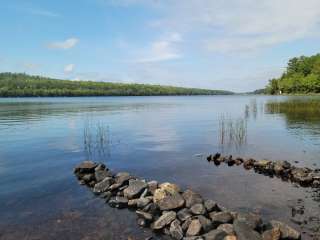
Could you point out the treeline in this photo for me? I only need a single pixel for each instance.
(302, 75)
(23, 85)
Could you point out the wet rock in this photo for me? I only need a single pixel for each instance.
(118, 202)
(206, 223)
(176, 230)
(194, 228)
(248, 163)
(184, 214)
(122, 178)
(191, 198)
(215, 234)
(220, 218)
(144, 215)
(87, 178)
(302, 176)
(245, 232)
(226, 227)
(106, 196)
(251, 219)
(261, 164)
(186, 224)
(85, 167)
(103, 185)
(211, 205)
(142, 222)
(101, 174)
(198, 209)
(134, 189)
(272, 234)
(164, 220)
(287, 232)
(171, 202)
(152, 186)
(142, 202)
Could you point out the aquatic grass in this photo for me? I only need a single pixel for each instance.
(232, 131)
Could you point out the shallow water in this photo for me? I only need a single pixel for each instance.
(161, 138)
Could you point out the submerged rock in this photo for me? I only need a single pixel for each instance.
(118, 202)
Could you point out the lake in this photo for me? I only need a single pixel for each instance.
(160, 138)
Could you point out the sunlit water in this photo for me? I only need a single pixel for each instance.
(161, 138)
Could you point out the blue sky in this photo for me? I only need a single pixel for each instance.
(235, 45)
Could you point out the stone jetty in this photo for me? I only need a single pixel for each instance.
(305, 177)
(181, 214)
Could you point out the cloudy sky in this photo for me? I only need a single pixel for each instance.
(235, 45)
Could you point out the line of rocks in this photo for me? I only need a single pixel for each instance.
(305, 177)
(166, 209)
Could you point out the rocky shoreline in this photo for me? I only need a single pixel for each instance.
(169, 210)
(305, 177)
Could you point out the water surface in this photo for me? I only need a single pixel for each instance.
(161, 138)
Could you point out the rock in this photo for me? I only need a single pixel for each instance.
(287, 232)
(152, 208)
(122, 178)
(103, 185)
(194, 228)
(144, 215)
(198, 209)
(135, 188)
(114, 186)
(261, 164)
(186, 224)
(171, 202)
(152, 186)
(220, 218)
(206, 223)
(101, 174)
(216, 234)
(142, 202)
(144, 193)
(302, 176)
(251, 219)
(272, 234)
(87, 178)
(245, 232)
(176, 230)
(248, 163)
(106, 196)
(226, 227)
(170, 187)
(142, 222)
(230, 237)
(211, 205)
(85, 167)
(164, 220)
(191, 198)
(118, 202)
(184, 214)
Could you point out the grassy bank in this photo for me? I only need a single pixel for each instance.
(23, 85)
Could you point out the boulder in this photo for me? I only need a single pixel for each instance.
(186, 224)
(164, 220)
(215, 234)
(85, 167)
(169, 187)
(142, 202)
(211, 205)
(272, 234)
(194, 228)
(144, 215)
(251, 219)
(122, 178)
(220, 218)
(134, 189)
(176, 230)
(287, 232)
(245, 232)
(152, 186)
(103, 185)
(206, 223)
(248, 163)
(168, 200)
(198, 209)
(226, 227)
(191, 198)
(184, 214)
(230, 237)
(101, 174)
(118, 202)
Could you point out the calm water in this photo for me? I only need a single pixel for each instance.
(161, 138)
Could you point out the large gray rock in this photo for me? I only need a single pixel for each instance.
(176, 230)
(245, 232)
(152, 186)
(287, 232)
(164, 220)
(226, 227)
(211, 205)
(118, 202)
(251, 219)
(134, 189)
(216, 234)
(221, 217)
(206, 223)
(194, 228)
(144, 215)
(191, 198)
(186, 224)
(171, 201)
(85, 167)
(198, 209)
(101, 174)
(103, 185)
(184, 214)
(122, 178)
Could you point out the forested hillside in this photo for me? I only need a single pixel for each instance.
(302, 75)
(22, 85)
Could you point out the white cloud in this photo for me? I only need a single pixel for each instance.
(67, 44)
(42, 12)
(69, 68)
(162, 50)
